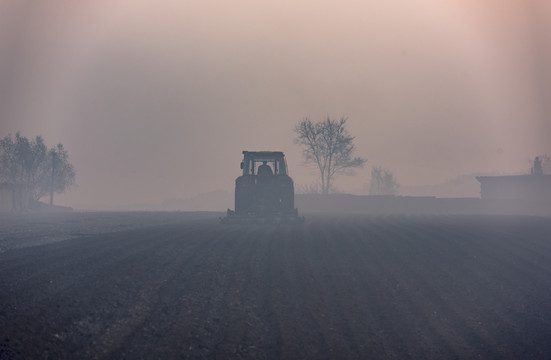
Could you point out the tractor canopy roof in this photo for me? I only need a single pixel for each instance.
(263, 155)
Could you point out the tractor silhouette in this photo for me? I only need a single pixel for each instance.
(264, 193)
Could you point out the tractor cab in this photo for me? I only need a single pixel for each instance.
(263, 163)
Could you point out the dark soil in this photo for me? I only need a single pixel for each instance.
(380, 287)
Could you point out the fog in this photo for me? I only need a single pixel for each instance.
(156, 99)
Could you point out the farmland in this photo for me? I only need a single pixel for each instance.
(180, 285)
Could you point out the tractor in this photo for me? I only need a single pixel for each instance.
(264, 193)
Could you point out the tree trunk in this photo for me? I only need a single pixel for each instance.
(53, 180)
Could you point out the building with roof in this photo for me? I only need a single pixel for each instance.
(516, 187)
(535, 187)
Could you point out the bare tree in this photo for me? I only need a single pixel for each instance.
(328, 145)
(60, 173)
(382, 182)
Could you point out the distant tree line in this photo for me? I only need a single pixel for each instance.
(383, 182)
(546, 163)
(30, 166)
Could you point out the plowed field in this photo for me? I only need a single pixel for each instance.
(176, 285)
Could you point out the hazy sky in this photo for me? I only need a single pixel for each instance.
(157, 99)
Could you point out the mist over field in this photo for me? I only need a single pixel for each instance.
(155, 100)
